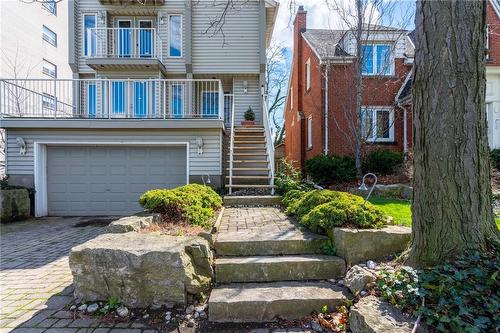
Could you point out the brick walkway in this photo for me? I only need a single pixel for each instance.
(268, 219)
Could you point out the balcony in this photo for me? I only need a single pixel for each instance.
(124, 49)
(118, 100)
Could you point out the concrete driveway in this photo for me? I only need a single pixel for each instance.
(35, 279)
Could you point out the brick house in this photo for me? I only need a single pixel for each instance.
(320, 106)
(493, 73)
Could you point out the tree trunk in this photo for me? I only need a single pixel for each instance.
(452, 209)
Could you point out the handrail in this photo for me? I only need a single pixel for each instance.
(269, 140)
(231, 151)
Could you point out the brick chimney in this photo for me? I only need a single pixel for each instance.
(300, 22)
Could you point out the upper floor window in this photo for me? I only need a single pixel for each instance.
(377, 59)
(175, 35)
(308, 74)
(49, 36)
(309, 132)
(378, 124)
(50, 6)
(49, 69)
(89, 39)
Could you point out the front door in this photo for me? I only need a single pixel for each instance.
(145, 38)
(124, 42)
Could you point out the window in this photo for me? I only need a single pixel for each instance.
(48, 101)
(291, 98)
(308, 74)
(177, 100)
(49, 36)
(378, 124)
(210, 104)
(49, 69)
(175, 36)
(50, 6)
(377, 59)
(89, 39)
(309, 132)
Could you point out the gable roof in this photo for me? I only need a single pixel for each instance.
(496, 6)
(325, 42)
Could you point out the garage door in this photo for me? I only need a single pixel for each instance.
(109, 180)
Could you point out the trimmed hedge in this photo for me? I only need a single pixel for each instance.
(327, 169)
(321, 210)
(383, 162)
(193, 203)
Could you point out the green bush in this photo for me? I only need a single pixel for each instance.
(495, 158)
(460, 295)
(288, 179)
(345, 210)
(383, 162)
(291, 196)
(193, 203)
(327, 169)
(309, 200)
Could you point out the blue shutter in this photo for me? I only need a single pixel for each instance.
(384, 65)
(367, 59)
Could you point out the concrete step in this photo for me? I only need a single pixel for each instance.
(250, 148)
(247, 169)
(250, 186)
(248, 177)
(263, 302)
(278, 268)
(249, 154)
(258, 243)
(252, 200)
(249, 161)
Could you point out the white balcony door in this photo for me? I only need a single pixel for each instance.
(146, 45)
(124, 39)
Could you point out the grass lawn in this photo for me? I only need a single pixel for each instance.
(400, 210)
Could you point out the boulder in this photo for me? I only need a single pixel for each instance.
(373, 315)
(360, 245)
(130, 223)
(141, 269)
(14, 204)
(357, 278)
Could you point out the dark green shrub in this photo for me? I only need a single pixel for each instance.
(327, 169)
(383, 162)
(460, 295)
(249, 114)
(193, 203)
(345, 210)
(288, 179)
(309, 200)
(495, 158)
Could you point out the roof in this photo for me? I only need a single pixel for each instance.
(412, 35)
(325, 42)
(404, 96)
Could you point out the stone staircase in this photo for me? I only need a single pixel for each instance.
(251, 162)
(277, 271)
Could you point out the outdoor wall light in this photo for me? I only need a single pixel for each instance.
(208, 181)
(162, 18)
(363, 186)
(199, 144)
(245, 87)
(22, 145)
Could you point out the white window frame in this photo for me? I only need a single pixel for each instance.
(46, 37)
(169, 36)
(50, 6)
(49, 71)
(309, 132)
(291, 98)
(85, 32)
(374, 59)
(374, 110)
(308, 74)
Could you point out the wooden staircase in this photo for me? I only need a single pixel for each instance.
(251, 164)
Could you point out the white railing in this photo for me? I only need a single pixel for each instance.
(231, 151)
(269, 140)
(124, 43)
(112, 98)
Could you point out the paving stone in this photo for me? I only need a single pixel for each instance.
(48, 322)
(28, 330)
(62, 323)
(61, 330)
(125, 330)
(84, 322)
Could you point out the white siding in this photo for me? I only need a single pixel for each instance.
(209, 162)
(252, 98)
(233, 50)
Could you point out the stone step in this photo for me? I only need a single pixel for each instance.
(250, 186)
(278, 268)
(252, 200)
(263, 302)
(259, 243)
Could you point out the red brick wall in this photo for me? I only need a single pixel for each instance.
(494, 36)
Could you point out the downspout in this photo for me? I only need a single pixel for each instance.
(326, 150)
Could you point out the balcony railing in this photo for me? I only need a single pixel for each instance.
(124, 43)
(112, 98)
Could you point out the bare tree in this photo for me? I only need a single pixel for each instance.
(451, 209)
(361, 23)
(276, 81)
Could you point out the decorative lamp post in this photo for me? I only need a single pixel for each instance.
(363, 186)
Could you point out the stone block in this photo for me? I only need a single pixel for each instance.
(14, 204)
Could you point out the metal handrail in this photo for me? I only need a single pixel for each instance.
(231, 151)
(269, 140)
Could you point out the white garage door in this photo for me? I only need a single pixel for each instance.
(109, 180)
